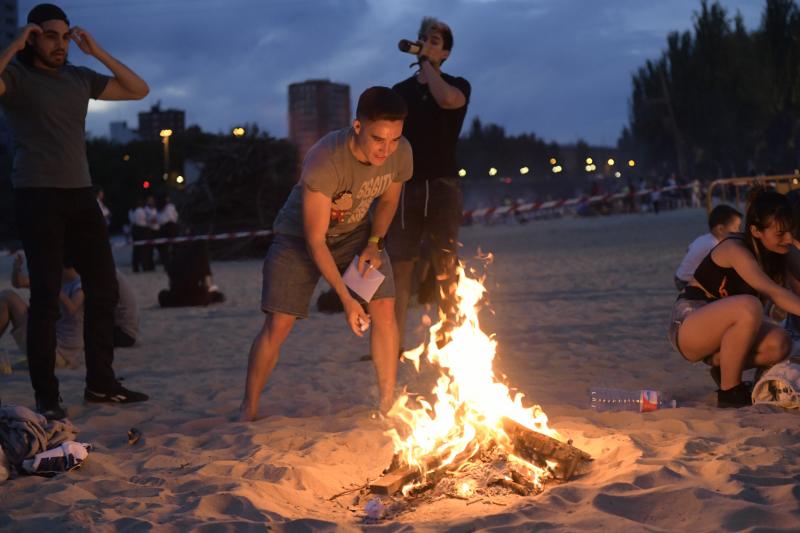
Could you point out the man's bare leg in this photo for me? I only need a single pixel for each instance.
(402, 272)
(263, 357)
(384, 345)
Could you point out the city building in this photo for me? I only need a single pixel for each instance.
(121, 133)
(152, 122)
(9, 23)
(316, 107)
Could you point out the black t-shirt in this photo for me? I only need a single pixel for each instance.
(432, 130)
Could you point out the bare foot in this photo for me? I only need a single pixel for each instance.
(247, 413)
(386, 405)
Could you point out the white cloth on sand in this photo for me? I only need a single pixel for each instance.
(780, 385)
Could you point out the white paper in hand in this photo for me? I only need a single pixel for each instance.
(363, 285)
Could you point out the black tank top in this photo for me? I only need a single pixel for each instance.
(719, 282)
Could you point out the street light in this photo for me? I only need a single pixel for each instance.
(493, 171)
(179, 179)
(611, 162)
(631, 163)
(524, 170)
(462, 172)
(589, 160)
(165, 135)
(238, 132)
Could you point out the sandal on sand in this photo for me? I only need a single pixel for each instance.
(738, 396)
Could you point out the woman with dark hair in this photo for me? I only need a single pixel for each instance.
(719, 318)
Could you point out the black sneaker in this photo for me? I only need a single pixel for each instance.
(738, 396)
(118, 394)
(51, 409)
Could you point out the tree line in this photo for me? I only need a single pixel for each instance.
(720, 100)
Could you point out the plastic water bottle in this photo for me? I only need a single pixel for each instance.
(643, 401)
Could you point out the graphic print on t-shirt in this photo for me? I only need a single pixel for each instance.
(344, 209)
(369, 190)
(341, 204)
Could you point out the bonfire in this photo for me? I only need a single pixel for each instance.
(473, 437)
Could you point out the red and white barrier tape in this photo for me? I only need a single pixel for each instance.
(482, 213)
(485, 213)
(192, 238)
(187, 238)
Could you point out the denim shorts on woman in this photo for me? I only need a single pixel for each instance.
(290, 275)
(680, 310)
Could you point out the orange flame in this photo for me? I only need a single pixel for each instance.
(469, 401)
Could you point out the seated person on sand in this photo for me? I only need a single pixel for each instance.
(126, 314)
(190, 282)
(69, 327)
(719, 319)
(722, 221)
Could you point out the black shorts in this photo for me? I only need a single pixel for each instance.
(429, 214)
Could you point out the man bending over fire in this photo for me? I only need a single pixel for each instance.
(321, 228)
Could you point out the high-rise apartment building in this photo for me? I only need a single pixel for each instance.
(316, 107)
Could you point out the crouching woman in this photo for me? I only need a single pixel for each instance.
(718, 318)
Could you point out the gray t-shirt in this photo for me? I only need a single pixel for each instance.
(332, 169)
(47, 114)
(126, 313)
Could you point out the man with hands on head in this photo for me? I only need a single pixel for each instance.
(323, 225)
(45, 100)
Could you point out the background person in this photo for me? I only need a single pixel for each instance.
(722, 221)
(126, 314)
(101, 195)
(69, 326)
(142, 254)
(430, 209)
(190, 282)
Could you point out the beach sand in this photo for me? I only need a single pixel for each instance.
(577, 303)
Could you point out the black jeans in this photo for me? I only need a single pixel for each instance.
(55, 224)
(142, 258)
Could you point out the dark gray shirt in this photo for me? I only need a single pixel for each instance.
(332, 169)
(47, 114)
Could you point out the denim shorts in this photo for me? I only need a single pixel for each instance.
(680, 310)
(290, 274)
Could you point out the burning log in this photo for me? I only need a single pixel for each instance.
(392, 482)
(474, 437)
(538, 448)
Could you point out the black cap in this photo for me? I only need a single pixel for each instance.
(44, 12)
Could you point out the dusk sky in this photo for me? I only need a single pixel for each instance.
(558, 68)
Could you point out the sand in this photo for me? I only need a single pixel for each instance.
(577, 303)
